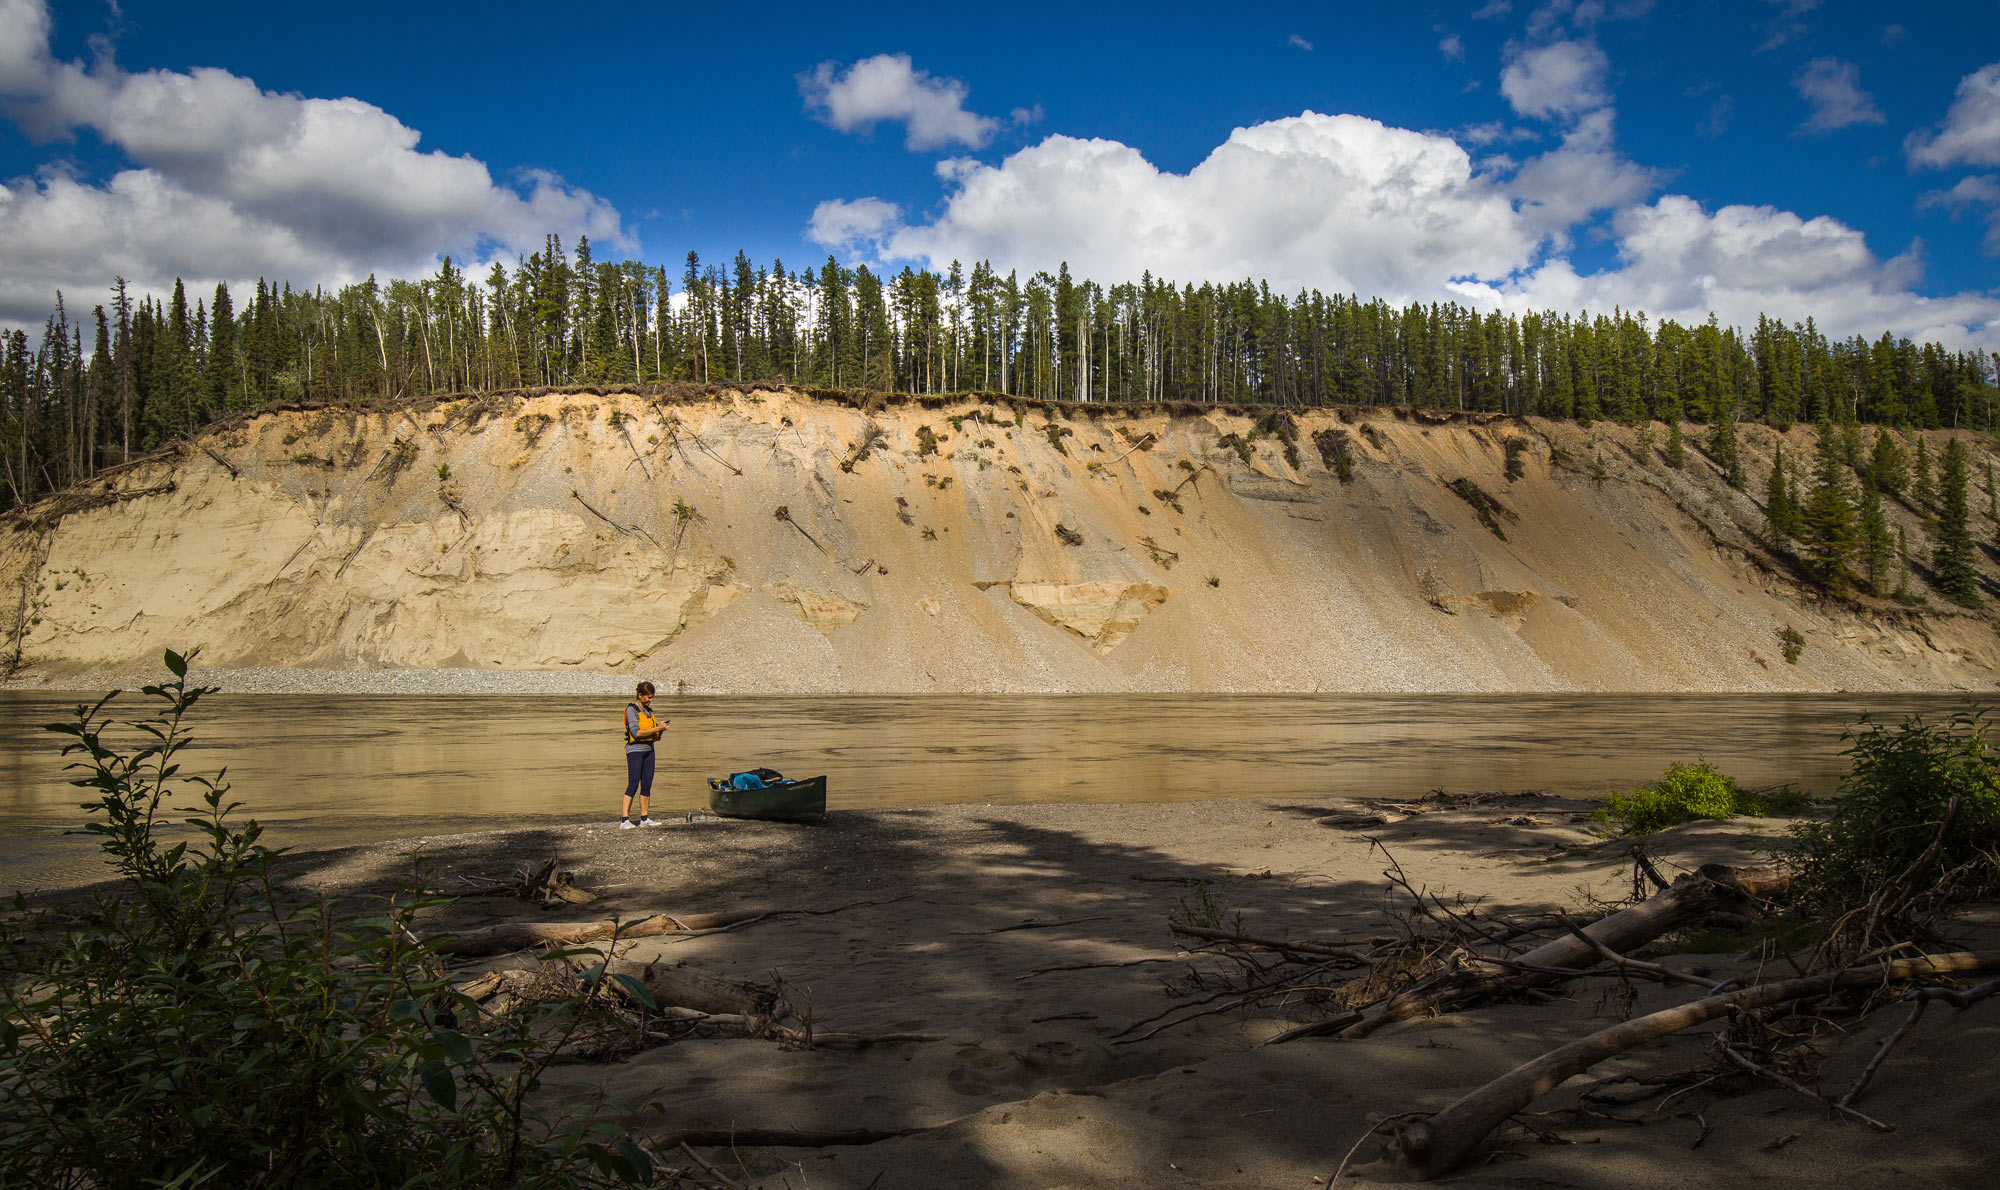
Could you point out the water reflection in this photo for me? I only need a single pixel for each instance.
(325, 770)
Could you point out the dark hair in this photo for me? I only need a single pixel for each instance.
(645, 687)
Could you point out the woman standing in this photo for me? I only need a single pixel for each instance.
(641, 731)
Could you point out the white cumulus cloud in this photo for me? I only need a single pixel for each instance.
(1979, 190)
(857, 221)
(1677, 260)
(888, 87)
(1345, 204)
(1558, 81)
(229, 182)
(1971, 132)
(1833, 88)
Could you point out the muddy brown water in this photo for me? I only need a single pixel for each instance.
(322, 771)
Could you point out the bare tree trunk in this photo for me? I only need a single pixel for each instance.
(1694, 894)
(1434, 1147)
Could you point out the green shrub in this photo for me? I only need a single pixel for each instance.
(203, 1025)
(1792, 643)
(1892, 808)
(1684, 793)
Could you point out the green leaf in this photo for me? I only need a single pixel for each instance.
(438, 1081)
(177, 664)
(641, 1171)
(635, 989)
(455, 1044)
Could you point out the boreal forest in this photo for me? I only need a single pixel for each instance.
(135, 371)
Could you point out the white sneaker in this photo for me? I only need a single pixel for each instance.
(626, 824)
(647, 822)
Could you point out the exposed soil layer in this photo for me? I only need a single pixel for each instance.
(774, 541)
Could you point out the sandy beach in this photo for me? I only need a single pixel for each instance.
(1025, 942)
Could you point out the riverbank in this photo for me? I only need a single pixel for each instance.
(1026, 941)
(771, 541)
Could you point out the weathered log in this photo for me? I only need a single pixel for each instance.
(1425, 1149)
(1693, 895)
(520, 935)
(684, 987)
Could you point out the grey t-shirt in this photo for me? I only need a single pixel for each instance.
(632, 728)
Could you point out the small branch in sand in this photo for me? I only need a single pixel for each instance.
(1144, 441)
(226, 464)
(1031, 925)
(1742, 1061)
(1320, 948)
(1039, 971)
(1920, 999)
(673, 434)
(784, 513)
(636, 456)
(628, 530)
(314, 536)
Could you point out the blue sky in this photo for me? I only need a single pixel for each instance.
(1838, 160)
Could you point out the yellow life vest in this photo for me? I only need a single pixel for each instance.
(647, 724)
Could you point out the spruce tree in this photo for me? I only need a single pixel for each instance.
(1924, 489)
(1677, 449)
(1902, 593)
(1850, 446)
(1722, 448)
(1827, 529)
(1878, 548)
(1952, 556)
(1888, 465)
(1781, 512)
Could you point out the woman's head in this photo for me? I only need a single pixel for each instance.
(645, 690)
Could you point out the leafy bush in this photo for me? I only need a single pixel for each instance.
(1684, 793)
(202, 1025)
(1908, 788)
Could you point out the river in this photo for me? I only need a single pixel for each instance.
(323, 771)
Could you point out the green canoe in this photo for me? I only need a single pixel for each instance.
(780, 801)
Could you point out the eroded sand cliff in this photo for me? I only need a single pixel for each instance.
(746, 541)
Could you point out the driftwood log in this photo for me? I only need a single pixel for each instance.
(1424, 1149)
(1710, 889)
(693, 993)
(684, 987)
(520, 935)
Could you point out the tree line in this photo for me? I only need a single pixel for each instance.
(154, 368)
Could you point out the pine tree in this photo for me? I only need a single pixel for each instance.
(1887, 464)
(1827, 528)
(1952, 556)
(220, 367)
(1722, 447)
(1781, 511)
(1924, 490)
(1902, 593)
(1877, 547)
(1676, 448)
